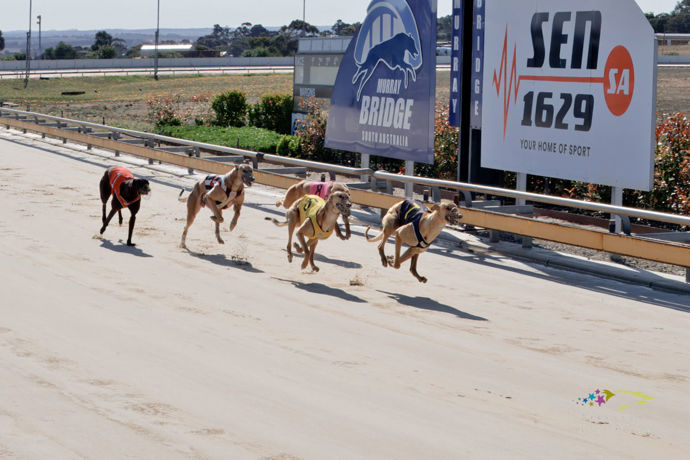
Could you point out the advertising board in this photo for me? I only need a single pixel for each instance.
(569, 90)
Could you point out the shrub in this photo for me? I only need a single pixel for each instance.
(312, 134)
(230, 109)
(164, 110)
(671, 191)
(273, 112)
(288, 145)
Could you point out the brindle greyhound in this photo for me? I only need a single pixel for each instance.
(400, 220)
(218, 193)
(126, 190)
(316, 220)
(322, 189)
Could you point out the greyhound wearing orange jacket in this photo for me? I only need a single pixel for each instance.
(415, 228)
(127, 191)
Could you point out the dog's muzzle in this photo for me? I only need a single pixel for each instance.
(344, 209)
(248, 181)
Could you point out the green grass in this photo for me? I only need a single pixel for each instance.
(250, 138)
(139, 87)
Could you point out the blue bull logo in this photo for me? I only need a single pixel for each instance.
(389, 35)
(393, 54)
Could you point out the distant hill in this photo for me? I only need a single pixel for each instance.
(15, 40)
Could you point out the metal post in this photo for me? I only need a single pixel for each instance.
(28, 47)
(304, 17)
(155, 58)
(40, 48)
(521, 185)
(364, 163)
(409, 170)
(617, 200)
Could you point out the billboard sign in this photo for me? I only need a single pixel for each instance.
(569, 90)
(455, 65)
(383, 99)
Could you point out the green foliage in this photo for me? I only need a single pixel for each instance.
(102, 38)
(273, 112)
(671, 191)
(249, 137)
(289, 146)
(106, 52)
(230, 109)
(444, 28)
(677, 21)
(312, 134)
(61, 51)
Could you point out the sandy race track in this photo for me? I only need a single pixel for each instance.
(231, 352)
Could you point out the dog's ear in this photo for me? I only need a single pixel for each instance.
(435, 207)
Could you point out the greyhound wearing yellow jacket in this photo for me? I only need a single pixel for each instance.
(316, 219)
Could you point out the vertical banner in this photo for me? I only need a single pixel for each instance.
(477, 64)
(570, 91)
(456, 65)
(384, 95)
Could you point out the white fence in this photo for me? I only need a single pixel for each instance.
(79, 64)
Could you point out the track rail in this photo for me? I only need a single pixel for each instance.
(643, 247)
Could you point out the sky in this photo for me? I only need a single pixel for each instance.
(141, 14)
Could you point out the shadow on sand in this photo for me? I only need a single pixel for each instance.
(425, 303)
(320, 288)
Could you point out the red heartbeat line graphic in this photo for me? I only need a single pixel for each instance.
(501, 82)
(503, 77)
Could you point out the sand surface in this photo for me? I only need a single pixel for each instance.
(231, 352)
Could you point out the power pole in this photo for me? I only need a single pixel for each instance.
(155, 58)
(28, 47)
(40, 48)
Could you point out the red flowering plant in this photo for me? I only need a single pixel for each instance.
(671, 191)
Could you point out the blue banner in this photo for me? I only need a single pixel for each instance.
(384, 95)
(477, 64)
(456, 65)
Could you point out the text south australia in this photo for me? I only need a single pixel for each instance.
(386, 111)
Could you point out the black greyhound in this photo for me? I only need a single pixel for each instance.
(126, 190)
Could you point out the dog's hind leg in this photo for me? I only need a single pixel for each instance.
(193, 207)
(107, 219)
(119, 215)
(413, 269)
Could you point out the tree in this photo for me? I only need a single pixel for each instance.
(259, 31)
(102, 38)
(298, 27)
(444, 28)
(218, 39)
(106, 52)
(2, 41)
(61, 51)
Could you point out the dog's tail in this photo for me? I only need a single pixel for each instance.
(277, 222)
(375, 239)
(180, 198)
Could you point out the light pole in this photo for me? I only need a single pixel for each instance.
(155, 58)
(40, 48)
(304, 17)
(28, 47)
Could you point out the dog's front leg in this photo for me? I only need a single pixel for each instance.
(132, 220)
(220, 240)
(413, 269)
(236, 216)
(346, 221)
(217, 217)
(300, 237)
(312, 250)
